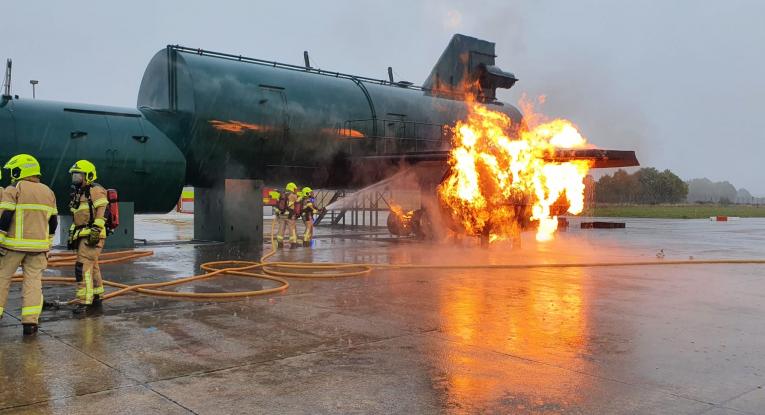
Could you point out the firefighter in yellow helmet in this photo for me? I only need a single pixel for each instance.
(285, 215)
(309, 210)
(27, 225)
(87, 233)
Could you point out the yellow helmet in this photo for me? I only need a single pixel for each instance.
(22, 166)
(306, 191)
(291, 187)
(87, 169)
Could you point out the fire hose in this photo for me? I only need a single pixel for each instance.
(279, 272)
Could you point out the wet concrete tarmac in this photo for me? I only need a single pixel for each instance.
(622, 340)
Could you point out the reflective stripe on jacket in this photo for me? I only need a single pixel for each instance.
(32, 204)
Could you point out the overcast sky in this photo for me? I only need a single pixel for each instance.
(680, 82)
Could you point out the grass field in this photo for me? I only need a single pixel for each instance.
(677, 211)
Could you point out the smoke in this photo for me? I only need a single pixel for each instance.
(669, 81)
(590, 99)
(577, 83)
(532, 42)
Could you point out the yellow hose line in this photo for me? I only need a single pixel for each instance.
(278, 271)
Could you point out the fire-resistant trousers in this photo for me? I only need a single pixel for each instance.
(308, 234)
(286, 224)
(87, 272)
(32, 264)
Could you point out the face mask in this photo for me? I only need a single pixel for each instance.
(77, 179)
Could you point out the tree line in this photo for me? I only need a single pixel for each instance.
(645, 186)
(707, 191)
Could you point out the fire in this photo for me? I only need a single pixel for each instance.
(350, 132)
(399, 212)
(343, 132)
(501, 180)
(236, 127)
(400, 222)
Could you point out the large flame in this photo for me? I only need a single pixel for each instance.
(500, 179)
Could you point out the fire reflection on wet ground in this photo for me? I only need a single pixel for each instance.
(576, 340)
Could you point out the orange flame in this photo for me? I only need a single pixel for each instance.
(399, 212)
(236, 127)
(343, 132)
(350, 132)
(500, 180)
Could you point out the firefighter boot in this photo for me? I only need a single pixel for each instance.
(279, 244)
(30, 329)
(306, 244)
(97, 302)
(88, 310)
(80, 309)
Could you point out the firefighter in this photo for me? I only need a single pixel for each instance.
(295, 214)
(308, 211)
(87, 233)
(285, 215)
(27, 225)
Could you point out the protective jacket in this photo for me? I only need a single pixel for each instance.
(29, 217)
(309, 208)
(88, 209)
(286, 204)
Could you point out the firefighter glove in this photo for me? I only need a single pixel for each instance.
(94, 236)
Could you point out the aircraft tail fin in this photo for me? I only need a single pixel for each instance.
(467, 67)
